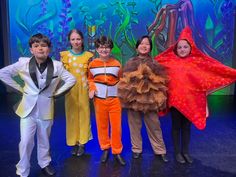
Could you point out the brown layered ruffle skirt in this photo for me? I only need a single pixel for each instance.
(143, 90)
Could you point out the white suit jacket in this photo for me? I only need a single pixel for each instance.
(32, 94)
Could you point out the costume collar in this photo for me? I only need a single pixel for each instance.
(32, 71)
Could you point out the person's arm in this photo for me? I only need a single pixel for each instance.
(92, 86)
(8, 73)
(68, 79)
(91, 57)
(120, 72)
(64, 60)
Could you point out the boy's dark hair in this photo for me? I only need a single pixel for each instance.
(141, 39)
(79, 33)
(176, 45)
(39, 38)
(105, 41)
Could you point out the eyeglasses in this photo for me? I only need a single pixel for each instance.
(104, 48)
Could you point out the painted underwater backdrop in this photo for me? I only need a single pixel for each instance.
(124, 21)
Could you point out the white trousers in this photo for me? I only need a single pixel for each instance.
(28, 127)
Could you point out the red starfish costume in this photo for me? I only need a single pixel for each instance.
(192, 79)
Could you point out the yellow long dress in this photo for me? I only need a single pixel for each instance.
(78, 127)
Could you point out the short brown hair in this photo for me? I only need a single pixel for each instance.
(39, 38)
(139, 41)
(103, 40)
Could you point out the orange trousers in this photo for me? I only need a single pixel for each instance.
(108, 112)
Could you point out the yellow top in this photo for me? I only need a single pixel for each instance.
(78, 128)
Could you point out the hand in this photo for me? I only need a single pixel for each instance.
(91, 94)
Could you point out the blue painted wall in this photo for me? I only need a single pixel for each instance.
(212, 22)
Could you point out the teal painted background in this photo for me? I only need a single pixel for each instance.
(212, 22)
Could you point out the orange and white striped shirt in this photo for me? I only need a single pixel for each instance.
(103, 77)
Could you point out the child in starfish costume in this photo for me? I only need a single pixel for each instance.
(192, 76)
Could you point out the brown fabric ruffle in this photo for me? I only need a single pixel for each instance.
(143, 85)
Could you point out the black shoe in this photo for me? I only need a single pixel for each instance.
(136, 155)
(164, 158)
(188, 158)
(49, 170)
(120, 159)
(105, 156)
(179, 158)
(74, 150)
(80, 151)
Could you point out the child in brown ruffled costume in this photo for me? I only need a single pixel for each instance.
(142, 90)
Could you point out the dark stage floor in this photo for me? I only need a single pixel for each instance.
(213, 149)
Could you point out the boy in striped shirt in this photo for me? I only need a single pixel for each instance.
(103, 75)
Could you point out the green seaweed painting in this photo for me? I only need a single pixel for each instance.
(28, 28)
(157, 6)
(123, 33)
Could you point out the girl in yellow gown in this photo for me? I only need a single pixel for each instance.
(78, 127)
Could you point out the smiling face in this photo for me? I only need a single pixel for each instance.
(40, 50)
(103, 46)
(183, 48)
(144, 47)
(104, 51)
(76, 41)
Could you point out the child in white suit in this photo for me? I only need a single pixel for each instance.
(41, 76)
